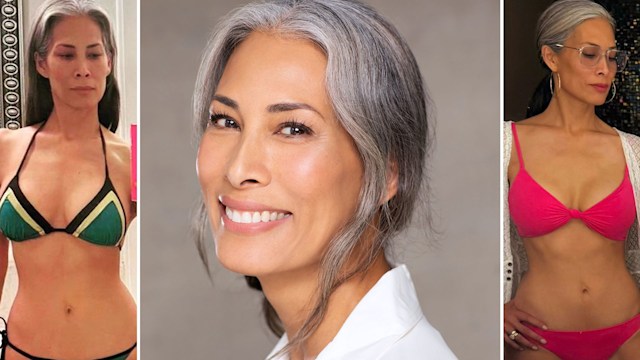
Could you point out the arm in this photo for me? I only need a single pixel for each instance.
(513, 316)
(4, 260)
(4, 242)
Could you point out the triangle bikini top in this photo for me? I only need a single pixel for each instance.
(535, 212)
(102, 221)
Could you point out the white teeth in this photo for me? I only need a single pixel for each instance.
(253, 217)
(237, 217)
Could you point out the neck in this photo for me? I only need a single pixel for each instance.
(571, 114)
(293, 297)
(73, 123)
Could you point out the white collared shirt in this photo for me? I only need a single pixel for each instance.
(387, 324)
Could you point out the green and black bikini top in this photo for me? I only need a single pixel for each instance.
(102, 221)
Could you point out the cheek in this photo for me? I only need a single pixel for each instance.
(326, 179)
(210, 169)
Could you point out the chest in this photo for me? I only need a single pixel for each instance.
(60, 181)
(578, 173)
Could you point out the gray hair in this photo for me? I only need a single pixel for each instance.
(560, 19)
(377, 93)
(39, 98)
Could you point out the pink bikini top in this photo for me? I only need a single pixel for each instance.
(536, 212)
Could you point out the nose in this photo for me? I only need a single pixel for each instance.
(248, 166)
(603, 65)
(82, 70)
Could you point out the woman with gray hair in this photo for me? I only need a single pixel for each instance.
(572, 193)
(311, 118)
(64, 196)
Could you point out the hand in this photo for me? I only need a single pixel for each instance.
(513, 320)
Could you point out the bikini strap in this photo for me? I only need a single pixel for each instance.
(33, 137)
(104, 152)
(517, 142)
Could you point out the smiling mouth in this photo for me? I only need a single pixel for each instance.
(253, 217)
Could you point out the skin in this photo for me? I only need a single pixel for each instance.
(575, 156)
(71, 302)
(312, 172)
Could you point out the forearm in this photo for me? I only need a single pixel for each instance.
(4, 261)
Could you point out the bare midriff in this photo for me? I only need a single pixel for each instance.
(70, 302)
(577, 280)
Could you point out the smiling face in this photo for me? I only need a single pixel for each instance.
(76, 63)
(279, 174)
(585, 83)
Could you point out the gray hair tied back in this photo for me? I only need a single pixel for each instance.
(378, 96)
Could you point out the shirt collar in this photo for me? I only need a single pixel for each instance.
(389, 309)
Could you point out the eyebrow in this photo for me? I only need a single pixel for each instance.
(274, 108)
(73, 46)
(594, 44)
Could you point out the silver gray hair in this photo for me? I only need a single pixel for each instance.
(560, 19)
(378, 96)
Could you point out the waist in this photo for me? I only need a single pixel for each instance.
(578, 300)
(59, 325)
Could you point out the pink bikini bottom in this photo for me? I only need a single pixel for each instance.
(599, 344)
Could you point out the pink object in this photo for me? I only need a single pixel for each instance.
(134, 162)
(536, 212)
(600, 344)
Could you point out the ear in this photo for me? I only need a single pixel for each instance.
(41, 66)
(109, 63)
(392, 181)
(550, 58)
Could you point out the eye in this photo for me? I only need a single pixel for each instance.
(294, 128)
(65, 56)
(590, 52)
(222, 121)
(94, 56)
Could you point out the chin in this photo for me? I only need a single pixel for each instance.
(245, 260)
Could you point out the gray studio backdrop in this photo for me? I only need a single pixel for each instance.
(186, 316)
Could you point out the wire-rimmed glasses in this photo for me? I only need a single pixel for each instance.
(590, 56)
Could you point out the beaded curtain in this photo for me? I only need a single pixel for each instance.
(624, 111)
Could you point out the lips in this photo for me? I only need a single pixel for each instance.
(253, 217)
(82, 88)
(601, 87)
(250, 217)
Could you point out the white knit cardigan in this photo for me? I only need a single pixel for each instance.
(515, 258)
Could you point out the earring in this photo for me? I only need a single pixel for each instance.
(551, 83)
(613, 84)
(559, 82)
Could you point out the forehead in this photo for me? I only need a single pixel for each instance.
(596, 31)
(269, 67)
(76, 30)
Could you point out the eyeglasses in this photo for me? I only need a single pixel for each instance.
(590, 56)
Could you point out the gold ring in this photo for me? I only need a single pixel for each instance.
(513, 335)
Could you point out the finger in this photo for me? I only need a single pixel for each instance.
(522, 341)
(532, 320)
(526, 331)
(512, 343)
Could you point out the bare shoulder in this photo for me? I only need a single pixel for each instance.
(13, 144)
(119, 152)
(14, 141)
(530, 124)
